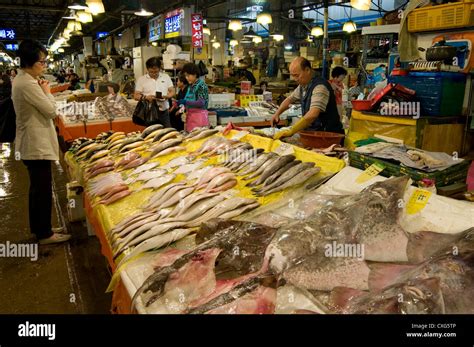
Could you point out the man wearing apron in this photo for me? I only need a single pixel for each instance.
(318, 102)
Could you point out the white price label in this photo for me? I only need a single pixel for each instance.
(284, 149)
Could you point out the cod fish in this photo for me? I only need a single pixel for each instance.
(157, 182)
(295, 181)
(202, 135)
(274, 167)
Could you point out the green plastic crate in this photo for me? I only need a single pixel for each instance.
(454, 174)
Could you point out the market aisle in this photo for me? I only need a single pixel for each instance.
(66, 278)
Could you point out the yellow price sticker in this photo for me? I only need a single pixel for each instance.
(418, 201)
(372, 171)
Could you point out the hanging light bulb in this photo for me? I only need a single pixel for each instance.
(233, 42)
(349, 26)
(66, 33)
(78, 26)
(71, 25)
(235, 25)
(257, 39)
(61, 50)
(154, 44)
(84, 17)
(362, 5)
(317, 31)
(216, 45)
(278, 37)
(78, 5)
(264, 18)
(143, 13)
(95, 6)
(206, 30)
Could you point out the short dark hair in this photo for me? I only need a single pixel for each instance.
(14, 70)
(114, 86)
(29, 52)
(182, 78)
(153, 62)
(264, 83)
(338, 71)
(305, 64)
(191, 69)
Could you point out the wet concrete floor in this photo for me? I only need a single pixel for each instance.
(66, 278)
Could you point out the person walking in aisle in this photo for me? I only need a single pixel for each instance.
(36, 141)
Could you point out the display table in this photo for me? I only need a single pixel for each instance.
(70, 132)
(430, 134)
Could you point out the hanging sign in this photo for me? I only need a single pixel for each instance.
(155, 32)
(173, 23)
(197, 34)
(7, 34)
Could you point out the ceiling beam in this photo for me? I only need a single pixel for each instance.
(31, 8)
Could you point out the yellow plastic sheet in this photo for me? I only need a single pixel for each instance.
(364, 126)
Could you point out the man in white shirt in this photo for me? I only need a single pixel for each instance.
(156, 81)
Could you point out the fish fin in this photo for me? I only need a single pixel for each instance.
(424, 244)
(385, 274)
(341, 296)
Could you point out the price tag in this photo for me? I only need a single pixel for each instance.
(418, 201)
(239, 135)
(284, 149)
(372, 171)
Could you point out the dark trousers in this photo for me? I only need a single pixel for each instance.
(40, 197)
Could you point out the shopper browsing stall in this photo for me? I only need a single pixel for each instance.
(36, 140)
(196, 99)
(157, 86)
(175, 115)
(338, 75)
(318, 102)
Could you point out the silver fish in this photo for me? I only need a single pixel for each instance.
(158, 182)
(298, 179)
(162, 132)
(265, 165)
(261, 159)
(198, 208)
(188, 202)
(136, 225)
(129, 220)
(164, 194)
(272, 178)
(270, 170)
(169, 150)
(179, 161)
(145, 167)
(202, 135)
(185, 169)
(151, 129)
(156, 149)
(285, 177)
(177, 197)
(219, 181)
(239, 211)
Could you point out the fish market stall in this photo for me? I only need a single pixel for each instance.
(129, 178)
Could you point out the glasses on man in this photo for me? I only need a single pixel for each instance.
(42, 62)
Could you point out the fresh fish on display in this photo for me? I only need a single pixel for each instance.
(85, 147)
(286, 176)
(179, 161)
(226, 186)
(115, 189)
(99, 186)
(158, 182)
(209, 145)
(264, 166)
(190, 201)
(94, 149)
(219, 180)
(162, 133)
(187, 168)
(173, 200)
(99, 171)
(246, 158)
(156, 149)
(198, 173)
(134, 226)
(145, 167)
(255, 165)
(297, 180)
(272, 178)
(98, 155)
(129, 141)
(196, 209)
(149, 138)
(131, 146)
(169, 196)
(420, 296)
(128, 221)
(260, 301)
(169, 150)
(127, 159)
(201, 135)
(210, 175)
(116, 197)
(271, 169)
(134, 163)
(157, 241)
(106, 162)
(148, 130)
(239, 211)
(170, 135)
(199, 274)
(159, 195)
(146, 176)
(118, 243)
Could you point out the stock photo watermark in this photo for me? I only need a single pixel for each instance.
(19, 250)
(401, 108)
(37, 330)
(344, 250)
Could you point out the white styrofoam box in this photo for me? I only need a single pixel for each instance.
(308, 50)
(254, 119)
(221, 100)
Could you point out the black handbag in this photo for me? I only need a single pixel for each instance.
(7, 121)
(202, 69)
(148, 113)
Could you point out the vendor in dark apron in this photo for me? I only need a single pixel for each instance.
(316, 117)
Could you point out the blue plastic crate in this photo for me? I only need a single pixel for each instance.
(439, 93)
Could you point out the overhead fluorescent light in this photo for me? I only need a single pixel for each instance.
(143, 13)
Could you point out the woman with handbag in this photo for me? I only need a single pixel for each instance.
(153, 91)
(196, 99)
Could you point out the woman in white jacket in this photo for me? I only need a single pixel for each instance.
(36, 143)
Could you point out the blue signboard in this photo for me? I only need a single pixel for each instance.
(173, 23)
(102, 34)
(7, 34)
(154, 29)
(12, 46)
